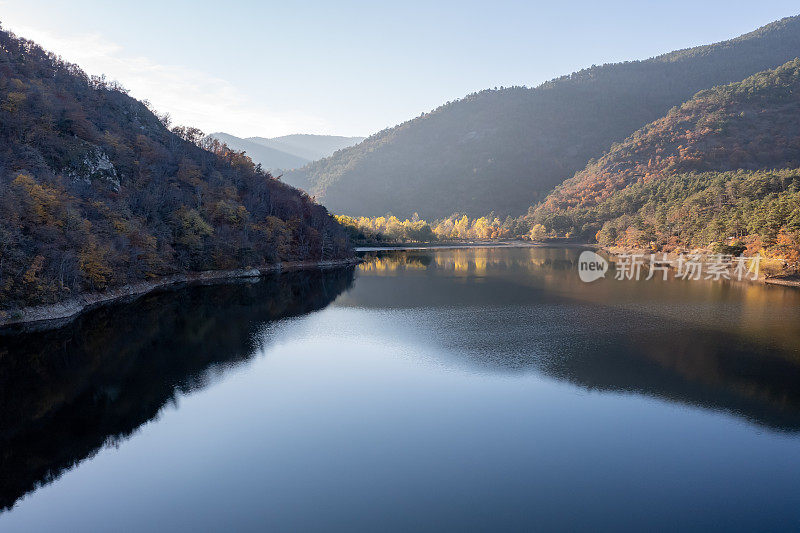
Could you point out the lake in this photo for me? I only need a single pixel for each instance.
(470, 389)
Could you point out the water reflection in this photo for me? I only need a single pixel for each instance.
(451, 387)
(731, 347)
(64, 394)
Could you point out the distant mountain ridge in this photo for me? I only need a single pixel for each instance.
(269, 158)
(504, 150)
(307, 146)
(288, 151)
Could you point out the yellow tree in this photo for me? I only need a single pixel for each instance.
(461, 229)
(538, 232)
(93, 265)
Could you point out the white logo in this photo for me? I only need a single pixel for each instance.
(591, 266)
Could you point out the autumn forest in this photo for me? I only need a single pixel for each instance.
(97, 191)
(100, 190)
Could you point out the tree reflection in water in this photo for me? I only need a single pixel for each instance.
(64, 394)
(728, 347)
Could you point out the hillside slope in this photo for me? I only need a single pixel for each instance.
(722, 165)
(95, 191)
(504, 150)
(753, 124)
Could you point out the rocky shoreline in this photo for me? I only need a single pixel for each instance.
(54, 315)
(788, 281)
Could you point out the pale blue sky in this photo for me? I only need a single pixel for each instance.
(353, 68)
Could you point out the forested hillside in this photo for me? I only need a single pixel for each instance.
(503, 150)
(750, 125)
(95, 191)
(710, 170)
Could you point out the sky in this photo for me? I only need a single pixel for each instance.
(266, 68)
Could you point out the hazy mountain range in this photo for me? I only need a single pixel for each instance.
(288, 151)
(505, 150)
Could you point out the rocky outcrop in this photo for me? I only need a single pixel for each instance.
(96, 166)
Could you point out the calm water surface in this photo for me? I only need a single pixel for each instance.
(466, 389)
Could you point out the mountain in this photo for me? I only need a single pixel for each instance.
(269, 158)
(96, 192)
(289, 151)
(309, 147)
(753, 124)
(723, 164)
(504, 150)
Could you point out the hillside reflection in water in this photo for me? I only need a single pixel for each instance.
(474, 388)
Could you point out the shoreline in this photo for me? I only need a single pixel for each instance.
(784, 280)
(51, 316)
(466, 244)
